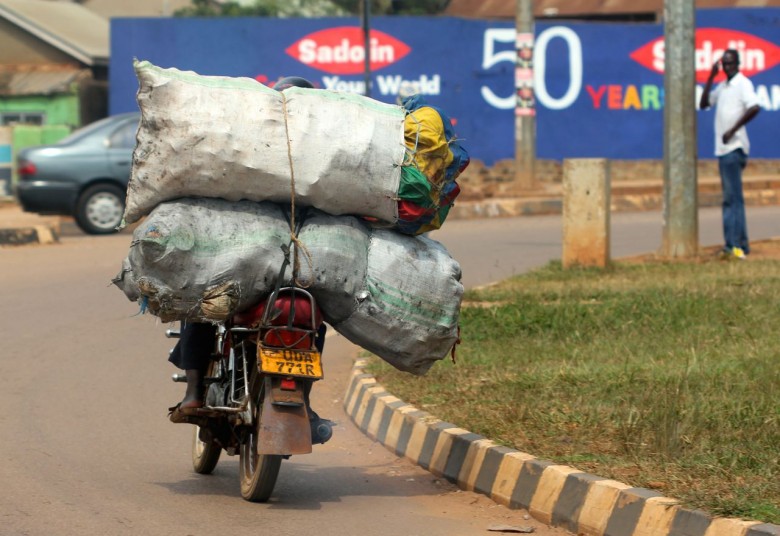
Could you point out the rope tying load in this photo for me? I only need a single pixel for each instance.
(293, 235)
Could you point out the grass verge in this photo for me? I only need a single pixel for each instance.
(659, 375)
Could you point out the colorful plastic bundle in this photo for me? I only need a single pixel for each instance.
(435, 159)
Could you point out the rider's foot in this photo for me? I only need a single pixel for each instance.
(193, 397)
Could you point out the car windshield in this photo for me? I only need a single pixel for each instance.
(93, 129)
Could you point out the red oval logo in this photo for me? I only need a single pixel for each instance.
(341, 51)
(756, 54)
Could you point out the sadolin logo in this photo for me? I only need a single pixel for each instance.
(341, 51)
(756, 54)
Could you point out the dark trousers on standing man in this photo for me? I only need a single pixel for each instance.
(730, 166)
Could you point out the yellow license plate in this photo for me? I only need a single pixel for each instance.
(304, 363)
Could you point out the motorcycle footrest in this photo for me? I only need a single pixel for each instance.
(209, 413)
(181, 378)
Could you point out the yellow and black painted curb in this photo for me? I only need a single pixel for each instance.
(557, 495)
(34, 234)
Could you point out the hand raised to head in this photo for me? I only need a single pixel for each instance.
(715, 69)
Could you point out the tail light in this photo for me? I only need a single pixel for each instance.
(26, 169)
(288, 384)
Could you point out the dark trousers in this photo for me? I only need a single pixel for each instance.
(195, 345)
(730, 166)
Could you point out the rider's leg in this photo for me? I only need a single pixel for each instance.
(193, 396)
(321, 429)
(192, 354)
(319, 343)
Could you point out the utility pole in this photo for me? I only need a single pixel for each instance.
(680, 212)
(525, 108)
(366, 12)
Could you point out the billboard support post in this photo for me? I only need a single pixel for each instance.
(525, 108)
(680, 212)
(366, 16)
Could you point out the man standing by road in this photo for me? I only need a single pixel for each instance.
(737, 104)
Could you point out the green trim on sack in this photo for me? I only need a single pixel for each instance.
(313, 239)
(403, 302)
(243, 82)
(194, 78)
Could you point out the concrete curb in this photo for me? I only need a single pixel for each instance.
(557, 495)
(34, 234)
(18, 228)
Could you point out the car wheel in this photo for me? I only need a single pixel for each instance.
(100, 209)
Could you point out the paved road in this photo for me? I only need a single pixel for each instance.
(86, 447)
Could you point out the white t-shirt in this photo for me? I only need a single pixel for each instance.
(733, 98)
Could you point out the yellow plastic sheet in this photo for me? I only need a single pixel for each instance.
(425, 139)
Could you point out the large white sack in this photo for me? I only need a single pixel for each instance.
(333, 261)
(407, 312)
(395, 295)
(204, 259)
(225, 137)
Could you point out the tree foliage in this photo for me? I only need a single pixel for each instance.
(206, 8)
(308, 8)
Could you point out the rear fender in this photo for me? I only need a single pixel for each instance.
(283, 429)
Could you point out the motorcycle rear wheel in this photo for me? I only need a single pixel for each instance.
(204, 455)
(258, 472)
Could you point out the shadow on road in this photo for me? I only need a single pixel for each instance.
(304, 486)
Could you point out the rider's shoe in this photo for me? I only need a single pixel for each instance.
(193, 397)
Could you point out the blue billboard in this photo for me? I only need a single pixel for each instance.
(598, 87)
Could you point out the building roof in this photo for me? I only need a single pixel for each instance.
(40, 81)
(134, 8)
(505, 9)
(71, 28)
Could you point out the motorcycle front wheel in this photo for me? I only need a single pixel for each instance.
(258, 472)
(205, 455)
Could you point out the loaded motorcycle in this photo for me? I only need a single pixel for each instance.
(257, 386)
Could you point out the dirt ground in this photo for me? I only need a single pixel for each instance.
(759, 250)
(766, 249)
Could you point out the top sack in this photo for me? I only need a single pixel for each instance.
(234, 138)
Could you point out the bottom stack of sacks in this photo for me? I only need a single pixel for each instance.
(204, 260)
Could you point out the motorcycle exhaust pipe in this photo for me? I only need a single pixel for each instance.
(321, 431)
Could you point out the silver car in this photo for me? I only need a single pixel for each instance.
(85, 175)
